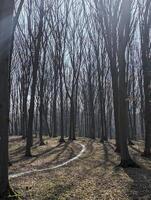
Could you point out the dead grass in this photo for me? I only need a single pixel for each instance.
(92, 177)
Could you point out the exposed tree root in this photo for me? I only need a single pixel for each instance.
(42, 143)
(10, 194)
(61, 140)
(71, 139)
(117, 150)
(102, 141)
(130, 143)
(28, 155)
(146, 154)
(128, 164)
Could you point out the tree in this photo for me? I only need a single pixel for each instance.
(145, 30)
(117, 23)
(41, 91)
(108, 15)
(6, 22)
(124, 36)
(37, 42)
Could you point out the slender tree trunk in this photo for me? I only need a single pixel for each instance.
(71, 119)
(31, 117)
(62, 110)
(41, 142)
(91, 104)
(55, 104)
(41, 107)
(25, 118)
(34, 81)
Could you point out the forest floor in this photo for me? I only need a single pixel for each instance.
(93, 176)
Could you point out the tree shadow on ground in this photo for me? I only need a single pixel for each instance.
(136, 149)
(112, 146)
(18, 150)
(19, 154)
(59, 191)
(15, 138)
(108, 151)
(104, 160)
(50, 151)
(140, 187)
(61, 152)
(89, 149)
(56, 160)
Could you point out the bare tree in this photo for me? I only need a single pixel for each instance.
(37, 42)
(145, 31)
(6, 17)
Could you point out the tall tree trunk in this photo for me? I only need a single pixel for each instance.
(116, 108)
(31, 114)
(34, 81)
(41, 114)
(6, 16)
(126, 160)
(134, 106)
(147, 91)
(62, 110)
(142, 105)
(55, 107)
(71, 130)
(41, 107)
(25, 118)
(145, 39)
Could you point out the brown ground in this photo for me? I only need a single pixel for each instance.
(49, 155)
(92, 177)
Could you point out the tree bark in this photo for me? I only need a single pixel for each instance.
(34, 82)
(6, 17)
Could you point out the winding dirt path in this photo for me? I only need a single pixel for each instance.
(12, 176)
